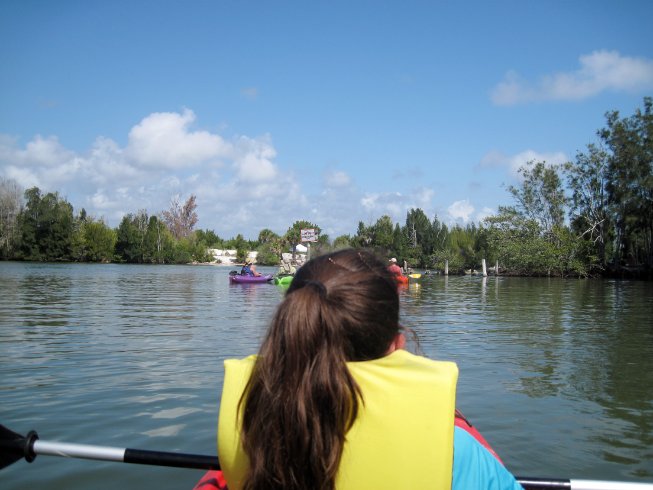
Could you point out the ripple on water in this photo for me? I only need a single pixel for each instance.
(556, 374)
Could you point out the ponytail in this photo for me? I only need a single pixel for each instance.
(301, 399)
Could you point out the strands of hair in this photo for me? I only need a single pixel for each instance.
(301, 399)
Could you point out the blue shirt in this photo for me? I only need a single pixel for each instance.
(475, 468)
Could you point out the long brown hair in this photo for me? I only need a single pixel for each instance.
(301, 400)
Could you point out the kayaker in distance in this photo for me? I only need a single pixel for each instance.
(333, 400)
(393, 268)
(249, 269)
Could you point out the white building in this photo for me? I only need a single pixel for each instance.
(228, 257)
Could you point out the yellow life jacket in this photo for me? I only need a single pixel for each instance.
(401, 439)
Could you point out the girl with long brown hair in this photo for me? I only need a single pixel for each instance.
(332, 400)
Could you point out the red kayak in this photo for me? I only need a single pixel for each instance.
(401, 279)
(214, 479)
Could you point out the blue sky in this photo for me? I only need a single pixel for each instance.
(334, 112)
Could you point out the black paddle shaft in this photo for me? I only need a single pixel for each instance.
(177, 460)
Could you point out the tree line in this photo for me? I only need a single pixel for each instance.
(590, 216)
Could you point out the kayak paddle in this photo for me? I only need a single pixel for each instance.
(14, 447)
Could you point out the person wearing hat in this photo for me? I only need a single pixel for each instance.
(394, 269)
(249, 269)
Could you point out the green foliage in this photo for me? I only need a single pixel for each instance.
(130, 238)
(461, 245)
(11, 204)
(522, 247)
(342, 241)
(589, 212)
(609, 211)
(364, 236)
(45, 227)
(209, 238)
(418, 230)
(267, 254)
(158, 245)
(382, 233)
(439, 258)
(271, 245)
(190, 249)
(399, 242)
(241, 246)
(540, 196)
(293, 235)
(241, 255)
(630, 184)
(94, 241)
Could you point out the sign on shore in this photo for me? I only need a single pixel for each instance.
(308, 235)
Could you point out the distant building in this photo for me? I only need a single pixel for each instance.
(228, 257)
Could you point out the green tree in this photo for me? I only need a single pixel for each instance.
(364, 236)
(521, 246)
(46, 227)
(342, 241)
(98, 241)
(461, 245)
(630, 184)
(11, 204)
(267, 236)
(382, 233)
(241, 246)
(181, 219)
(209, 238)
(267, 254)
(195, 251)
(399, 242)
(589, 211)
(271, 245)
(158, 244)
(540, 197)
(130, 241)
(440, 235)
(441, 257)
(293, 235)
(419, 234)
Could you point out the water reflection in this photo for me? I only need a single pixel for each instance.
(581, 343)
(557, 374)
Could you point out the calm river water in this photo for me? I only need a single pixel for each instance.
(557, 374)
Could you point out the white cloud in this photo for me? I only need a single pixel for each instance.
(163, 139)
(245, 193)
(163, 158)
(513, 163)
(461, 211)
(45, 151)
(599, 71)
(253, 160)
(390, 203)
(337, 178)
(25, 177)
(396, 204)
(423, 198)
(484, 213)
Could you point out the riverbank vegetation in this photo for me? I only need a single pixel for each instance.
(590, 216)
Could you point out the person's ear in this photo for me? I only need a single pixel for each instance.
(399, 342)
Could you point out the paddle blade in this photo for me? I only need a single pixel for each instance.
(12, 447)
